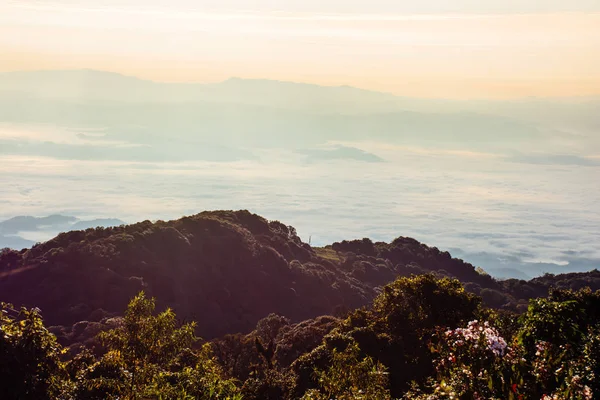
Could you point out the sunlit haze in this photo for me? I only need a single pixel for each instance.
(469, 125)
(442, 49)
(299, 199)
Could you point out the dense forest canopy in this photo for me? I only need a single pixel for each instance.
(228, 305)
(422, 337)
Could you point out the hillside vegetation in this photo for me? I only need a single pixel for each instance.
(421, 338)
(228, 270)
(228, 305)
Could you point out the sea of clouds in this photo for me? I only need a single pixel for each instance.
(510, 216)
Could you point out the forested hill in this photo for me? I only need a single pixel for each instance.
(229, 269)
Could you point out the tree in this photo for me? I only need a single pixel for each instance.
(351, 377)
(30, 367)
(197, 376)
(423, 302)
(9, 259)
(147, 343)
(150, 357)
(398, 328)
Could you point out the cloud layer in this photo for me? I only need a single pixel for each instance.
(500, 214)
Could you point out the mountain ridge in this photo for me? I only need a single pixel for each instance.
(229, 269)
(95, 73)
(85, 86)
(13, 230)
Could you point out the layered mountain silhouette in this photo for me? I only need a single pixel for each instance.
(13, 229)
(105, 87)
(116, 117)
(229, 269)
(100, 86)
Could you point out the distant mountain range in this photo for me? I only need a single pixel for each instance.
(115, 117)
(14, 231)
(99, 86)
(83, 86)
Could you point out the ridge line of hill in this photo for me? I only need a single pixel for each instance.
(229, 269)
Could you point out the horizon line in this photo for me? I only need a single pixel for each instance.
(303, 83)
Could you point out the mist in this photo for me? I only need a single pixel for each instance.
(507, 193)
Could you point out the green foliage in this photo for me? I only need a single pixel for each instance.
(560, 336)
(145, 344)
(423, 302)
(424, 337)
(106, 378)
(237, 354)
(149, 357)
(395, 332)
(268, 384)
(30, 367)
(474, 362)
(351, 377)
(562, 319)
(194, 263)
(552, 352)
(398, 327)
(200, 378)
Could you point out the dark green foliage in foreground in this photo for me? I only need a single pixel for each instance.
(351, 376)
(29, 356)
(147, 357)
(150, 357)
(396, 330)
(146, 344)
(553, 354)
(417, 337)
(423, 337)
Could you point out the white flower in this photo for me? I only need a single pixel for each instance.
(476, 332)
(587, 393)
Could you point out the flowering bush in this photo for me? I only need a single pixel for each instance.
(480, 336)
(414, 343)
(564, 373)
(474, 362)
(560, 335)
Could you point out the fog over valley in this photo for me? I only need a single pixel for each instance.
(504, 185)
(299, 200)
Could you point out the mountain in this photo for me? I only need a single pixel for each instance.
(14, 242)
(103, 87)
(14, 231)
(91, 86)
(29, 223)
(229, 269)
(115, 117)
(94, 223)
(227, 132)
(339, 153)
(107, 116)
(207, 267)
(11, 229)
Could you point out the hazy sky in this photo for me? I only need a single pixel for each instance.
(435, 48)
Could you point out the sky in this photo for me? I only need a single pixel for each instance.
(435, 48)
